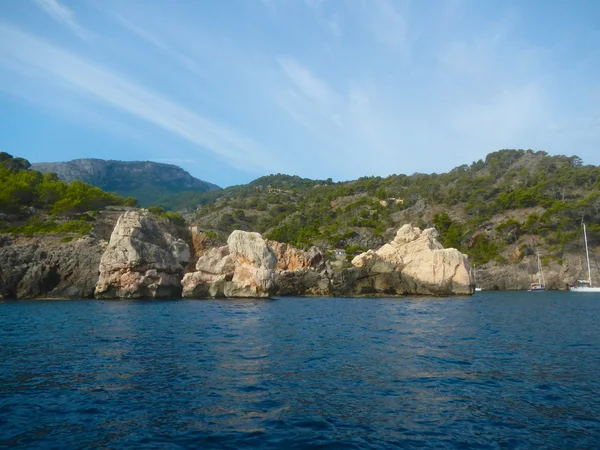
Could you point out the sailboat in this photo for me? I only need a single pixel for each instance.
(541, 284)
(585, 285)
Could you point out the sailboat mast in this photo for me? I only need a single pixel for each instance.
(587, 255)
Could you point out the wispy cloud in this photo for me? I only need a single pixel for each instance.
(62, 14)
(306, 82)
(128, 96)
(343, 120)
(314, 87)
(184, 60)
(333, 25)
(389, 22)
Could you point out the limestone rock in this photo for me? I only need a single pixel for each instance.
(141, 260)
(46, 266)
(304, 281)
(213, 269)
(201, 242)
(291, 258)
(413, 263)
(245, 267)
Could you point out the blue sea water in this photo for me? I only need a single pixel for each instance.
(495, 370)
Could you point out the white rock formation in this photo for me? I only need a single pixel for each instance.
(141, 260)
(290, 258)
(243, 268)
(425, 266)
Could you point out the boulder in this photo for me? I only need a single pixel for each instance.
(142, 260)
(245, 267)
(413, 263)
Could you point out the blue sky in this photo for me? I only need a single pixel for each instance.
(233, 90)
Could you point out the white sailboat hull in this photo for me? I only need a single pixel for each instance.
(584, 289)
(586, 285)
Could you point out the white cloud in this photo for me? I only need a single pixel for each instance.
(306, 82)
(62, 14)
(127, 96)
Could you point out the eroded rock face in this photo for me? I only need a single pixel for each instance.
(141, 260)
(245, 267)
(300, 272)
(46, 266)
(290, 258)
(413, 263)
(304, 281)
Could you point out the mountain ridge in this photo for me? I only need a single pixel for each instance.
(148, 181)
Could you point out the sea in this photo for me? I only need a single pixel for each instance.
(497, 370)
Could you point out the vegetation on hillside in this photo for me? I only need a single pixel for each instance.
(511, 200)
(41, 203)
(480, 209)
(151, 183)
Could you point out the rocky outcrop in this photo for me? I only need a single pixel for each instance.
(413, 263)
(49, 266)
(245, 267)
(304, 281)
(290, 258)
(142, 260)
(201, 242)
(300, 272)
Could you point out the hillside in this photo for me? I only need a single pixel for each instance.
(149, 182)
(33, 203)
(499, 209)
(502, 211)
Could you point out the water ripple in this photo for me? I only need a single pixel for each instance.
(493, 371)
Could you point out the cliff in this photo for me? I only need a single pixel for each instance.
(54, 266)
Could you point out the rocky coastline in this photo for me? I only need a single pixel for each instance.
(146, 258)
(135, 254)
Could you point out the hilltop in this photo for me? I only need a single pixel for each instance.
(149, 182)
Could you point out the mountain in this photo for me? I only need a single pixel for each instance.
(149, 182)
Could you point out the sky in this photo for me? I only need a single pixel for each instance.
(234, 90)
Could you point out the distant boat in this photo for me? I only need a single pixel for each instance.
(477, 289)
(541, 284)
(585, 285)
